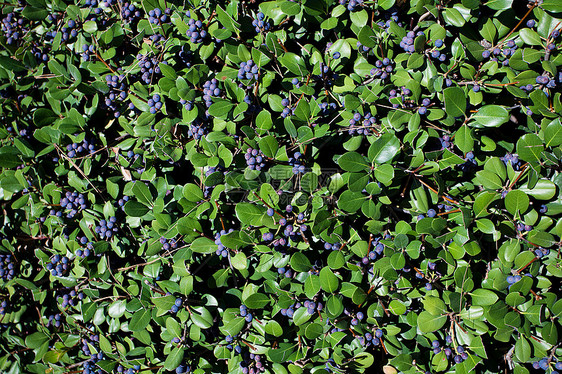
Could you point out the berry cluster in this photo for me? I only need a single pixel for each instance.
(435, 53)
(221, 250)
(183, 368)
(541, 252)
(130, 13)
(54, 320)
(248, 316)
(469, 164)
(259, 23)
(422, 110)
(73, 202)
(501, 55)
(362, 48)
(186, 56)
(7, 267)
(255, 159)
(511, 279)
(195, 32)
(287, 110)
(130, 155)
(148, 67)
(210, 89)
(359, 125)
(545, 80)
(90, 365)
(86, 252)
(70, 298)
(177, 305)
(460, 355)
(168, 244)
(13, 27)
(248, 70)
(331, 246)
(3, 307)
(400, 98)
(407, 42)
(352, 5)
(446, 142)
(154, 103)
(188, 105)
(59, 265)
(310, 305)
(546, 362)
(382, 68)
(121, 202)
(512, 159)
(326, 108)
(87, 51)
(69, 31)
(326, 76)
(105, 229)
(118, 90)
(158, 17)
(369, 338)
(133, 370)
(40, 54)
(297, 162)
(197, 129)
(390, 16)
(77, 149)
(286, 272)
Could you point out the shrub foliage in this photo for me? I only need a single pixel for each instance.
(282, 186)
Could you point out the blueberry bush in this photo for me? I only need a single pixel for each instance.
(284, 186)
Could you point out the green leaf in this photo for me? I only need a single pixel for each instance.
(434, 305)
(428, 322)
(522, 349)
(543, 190)
(248, 214)
(11, 64)
(553, 133)
(500, 4)
(311, 286)
(203, 245)
(140, 319)
(483, 201)
(552, 5)
(482, 297)
(142, 193)
(453, 17)
(227, 21)
(257, 301)
(239, 261)
(269, 146)
(516, 201)
(281, 354)
(529, 148)
(221, 109)
(455, 101)
(135, 209)
(351, 201)
(530, 36)
(384, 148)
(274, 328)
(491, 116)
(353, 161)
(328, 280)
(174, 359)
(463, 139)
(300, 263)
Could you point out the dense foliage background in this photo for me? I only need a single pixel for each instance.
(281, 186)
